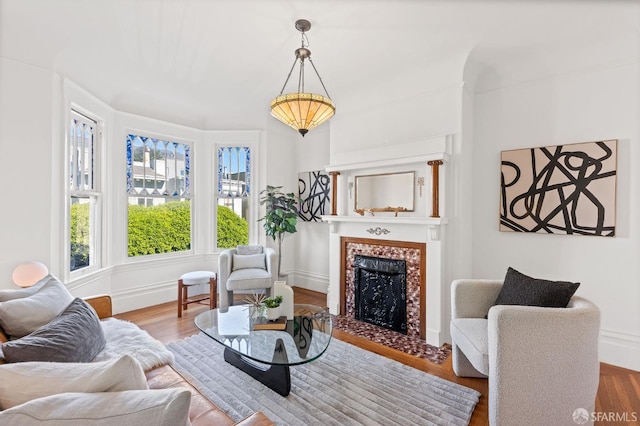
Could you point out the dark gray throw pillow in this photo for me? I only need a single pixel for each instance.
(520, 289)
(73, 336)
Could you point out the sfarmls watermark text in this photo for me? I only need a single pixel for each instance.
(582, 416)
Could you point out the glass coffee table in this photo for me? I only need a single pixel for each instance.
(266, 355)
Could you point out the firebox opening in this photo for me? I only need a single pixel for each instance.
(381, 292)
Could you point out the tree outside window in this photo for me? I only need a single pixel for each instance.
(158, 184)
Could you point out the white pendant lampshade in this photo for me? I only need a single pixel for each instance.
(29, 273)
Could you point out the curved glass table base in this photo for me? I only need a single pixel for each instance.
(276, 377)
(266, 355)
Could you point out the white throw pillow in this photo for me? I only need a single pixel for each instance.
(25, 381)
(9, 294)
(248, 261)
(252, 249)
(20, 317)
(162, 407)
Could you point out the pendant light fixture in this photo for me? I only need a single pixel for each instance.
(300, 110)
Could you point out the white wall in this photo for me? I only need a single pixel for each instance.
(26, 104)
(404, 114)
(279, 168)
(592, 104)
(312, 239)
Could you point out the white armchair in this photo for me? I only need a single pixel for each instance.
(245, 273)
(542, 363)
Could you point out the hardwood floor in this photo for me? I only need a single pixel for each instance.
(619, 390)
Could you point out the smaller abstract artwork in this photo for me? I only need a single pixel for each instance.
(314, 192)
(563, 189)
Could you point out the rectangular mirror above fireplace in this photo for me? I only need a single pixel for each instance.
(386, 192)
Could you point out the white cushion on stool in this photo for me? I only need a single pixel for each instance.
(197, 277)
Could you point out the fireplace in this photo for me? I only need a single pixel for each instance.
(398, 235)
(381, 292)
(364, 255)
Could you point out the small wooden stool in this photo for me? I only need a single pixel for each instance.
(197, 278)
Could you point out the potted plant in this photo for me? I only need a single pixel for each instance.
(281, 216)
(273, 307)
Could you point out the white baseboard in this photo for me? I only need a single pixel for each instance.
(433, 337)
(310, 281)
(620, 349)
(144, 296)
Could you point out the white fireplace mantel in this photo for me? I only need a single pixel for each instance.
(423, 224)
(432, 223)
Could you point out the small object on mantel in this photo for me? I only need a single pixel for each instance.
(370, 211)
(265, 324)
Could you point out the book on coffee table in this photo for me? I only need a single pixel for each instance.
(265, 324)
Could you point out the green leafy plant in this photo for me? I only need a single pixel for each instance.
(281, 217)
(273, 302)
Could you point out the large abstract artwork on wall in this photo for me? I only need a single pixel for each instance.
(563, 189)
(313, 190)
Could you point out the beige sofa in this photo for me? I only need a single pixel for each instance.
(202, 411)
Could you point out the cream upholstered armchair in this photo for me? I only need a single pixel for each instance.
(246, 269)
(542, 363)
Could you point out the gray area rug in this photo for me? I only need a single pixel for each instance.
(345, 386)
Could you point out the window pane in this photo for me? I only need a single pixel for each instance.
(157, 168)
(82, 190)
(158, 187)
(234, 171)
(81, 218)
(234, 189)
(81, 150)
(233, 228)
(156, 226)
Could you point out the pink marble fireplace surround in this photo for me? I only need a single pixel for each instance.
(413, 253)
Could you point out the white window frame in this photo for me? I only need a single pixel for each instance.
(249, 139)
(94, 194)
(190, 196)
(250, 187)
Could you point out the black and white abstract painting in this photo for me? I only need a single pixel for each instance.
(562, 189)
(314, 192)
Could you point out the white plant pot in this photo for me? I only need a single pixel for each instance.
(273, 313)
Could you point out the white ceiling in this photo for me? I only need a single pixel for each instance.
(216, 64)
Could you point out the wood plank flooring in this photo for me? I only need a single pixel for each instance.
(619, 390)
